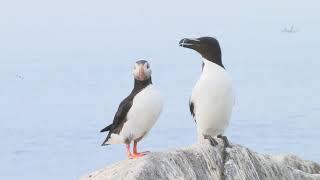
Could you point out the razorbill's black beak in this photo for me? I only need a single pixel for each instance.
(189, 43)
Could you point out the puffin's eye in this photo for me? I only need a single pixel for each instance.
(148, 66)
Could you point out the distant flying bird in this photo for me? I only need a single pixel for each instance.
(289, 30)
(137, 113)
(19, 76)
(212, 97)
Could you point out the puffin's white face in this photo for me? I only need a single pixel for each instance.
(142, 70)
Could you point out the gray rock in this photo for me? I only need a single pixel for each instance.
(202, 161)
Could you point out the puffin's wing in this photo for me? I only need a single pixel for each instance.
(120, 115)
(191, 108)
(119, 118)
(106, 128)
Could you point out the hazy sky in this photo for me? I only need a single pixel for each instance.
(79, 30)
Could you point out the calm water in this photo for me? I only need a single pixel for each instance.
(60, 87)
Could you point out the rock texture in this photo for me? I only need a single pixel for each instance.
(201, 161)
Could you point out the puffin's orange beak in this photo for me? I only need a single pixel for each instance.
(141, 73)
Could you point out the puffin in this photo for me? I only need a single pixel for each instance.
(137, 113)
(212, 98)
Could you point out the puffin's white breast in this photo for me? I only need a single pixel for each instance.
(213, 100)
(145, 110)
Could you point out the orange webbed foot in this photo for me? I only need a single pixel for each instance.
(136, 155)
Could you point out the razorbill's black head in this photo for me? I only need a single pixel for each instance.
(208, 47)
(142, 70)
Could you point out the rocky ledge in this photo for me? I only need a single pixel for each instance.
(202, 161)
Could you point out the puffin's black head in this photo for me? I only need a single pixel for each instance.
(208, 47)
(142, 70)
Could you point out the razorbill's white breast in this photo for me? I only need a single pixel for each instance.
(137, 113)
(212, 98)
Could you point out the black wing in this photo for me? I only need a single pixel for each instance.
(191, 107)
(119, 118)
(120, 115)
(106, 128)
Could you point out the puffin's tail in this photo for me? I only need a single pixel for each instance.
(104, 142)
(108, 128)
(112, 139)
(107, 139)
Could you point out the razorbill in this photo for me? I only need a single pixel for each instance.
(212, 97)
(137, 113)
